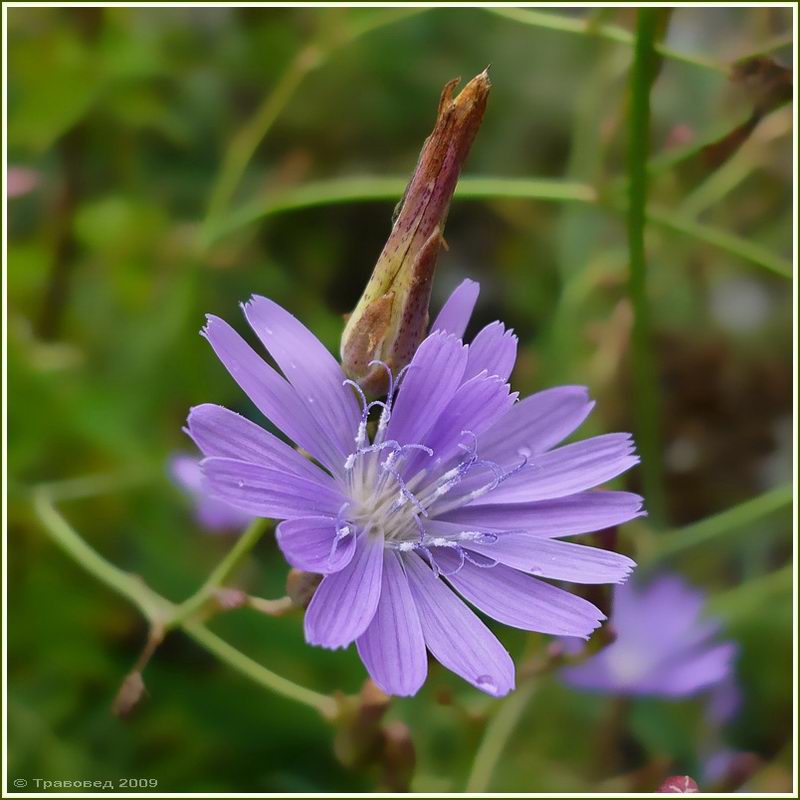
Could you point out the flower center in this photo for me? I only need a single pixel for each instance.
(387, 501)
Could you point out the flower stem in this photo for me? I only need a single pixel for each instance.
(586, 27)
(325, 705)
(244, 544)
(161, 614)
(645, 378)
(498, 732)
(245, 142)
(372, 188)
(722, 524)
(154, 607)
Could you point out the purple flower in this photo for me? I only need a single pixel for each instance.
(450, 488)
(210, 512)
(663, 647)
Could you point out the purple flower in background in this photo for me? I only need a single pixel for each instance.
(454, 489)
(664, 647)
(211, 513)
(20, 181)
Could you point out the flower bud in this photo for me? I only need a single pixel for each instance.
(300, 586)
(130, 694)
(391, 318)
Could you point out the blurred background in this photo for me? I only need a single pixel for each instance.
(168, 162)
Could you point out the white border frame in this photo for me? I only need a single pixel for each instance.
(6, 6)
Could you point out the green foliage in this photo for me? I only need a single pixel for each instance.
(188, 157)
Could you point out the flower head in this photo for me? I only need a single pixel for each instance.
(663, 645)
(212, 513)
(448, 487)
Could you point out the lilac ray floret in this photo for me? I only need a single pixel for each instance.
(213, 514)
(446, 494)
(663, 647)
(456, 312)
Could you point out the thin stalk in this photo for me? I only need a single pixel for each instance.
(379, 189)
(162, 614)
(244, 544)
(496, 737)
(645, 377)
(721, 525)
(586, 27)
(245, 142)
(154, 607)
(727, 242)
(371, 188)
(326, 706)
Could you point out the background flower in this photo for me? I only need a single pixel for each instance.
(663, 646)
(213, 514)
(190, 156)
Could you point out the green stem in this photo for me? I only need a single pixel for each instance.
(372, 189)
(496, 737)
(722, 240)
(722, 524)
(160, 612)
(244, 544)
(245, 142)
(757, 593)
(154, 607)
(645, 378)
(326, 706)
(585, 27)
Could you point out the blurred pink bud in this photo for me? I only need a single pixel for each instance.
(20, 181)
(678, 784)
(129, 695)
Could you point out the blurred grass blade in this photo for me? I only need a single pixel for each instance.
(735, 245)
(645, 376)
(586, 27)
(245, 142)
(722, 524)
(389, 189)
(339, 191)
(498, 732)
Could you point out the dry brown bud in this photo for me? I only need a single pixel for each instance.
(129, 695)
(300, 586)
(391, 318)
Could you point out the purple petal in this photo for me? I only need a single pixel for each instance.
(475, 406)
(696, 671)
(494, 349)
(309, 367)
(345, 602)
(567, 470)
(562, 561)
(308, 544)
(672, 604)
(266, 492)
(431, 381)
(220, 432)
(215, 515)
(594, 675)
(578, 513)
(519, 600)
(455, 636)
(273, 396)
(392, 647)
(536, 424)
(457, 310)
(186, 472)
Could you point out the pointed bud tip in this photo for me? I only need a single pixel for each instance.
(391, 318)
